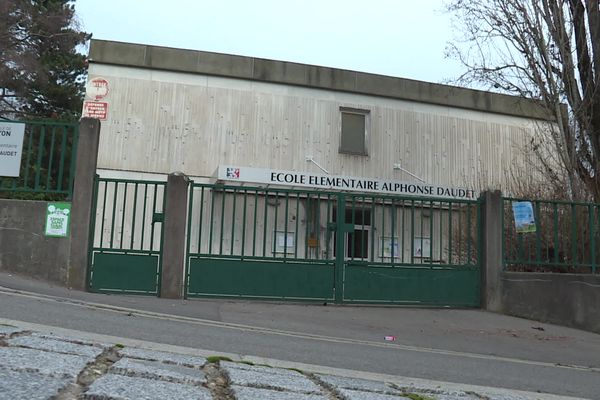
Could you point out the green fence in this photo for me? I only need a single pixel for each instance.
(410, 250)
(411, 231)
(258, 242)
(47, 162)
(126, 236)
(566, 237)
(313, 245)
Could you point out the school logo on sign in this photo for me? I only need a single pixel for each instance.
(233, 173)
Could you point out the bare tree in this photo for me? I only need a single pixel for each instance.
(547, 50)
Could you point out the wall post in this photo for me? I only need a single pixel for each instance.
(491, 268)
(81, 209)
(175, 222)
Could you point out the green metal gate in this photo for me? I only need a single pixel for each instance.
(275, 243)
(258, 243)
(126, 236)
(408, 250)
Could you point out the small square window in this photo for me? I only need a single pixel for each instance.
(354, 132)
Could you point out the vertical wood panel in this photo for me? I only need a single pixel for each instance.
(161, 126)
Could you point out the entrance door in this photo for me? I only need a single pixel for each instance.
(267, 243)
(285, 244)
(357, 236)
(400, 250)
(126, 236)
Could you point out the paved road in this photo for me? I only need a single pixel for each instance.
(464, 346)
(38, 363)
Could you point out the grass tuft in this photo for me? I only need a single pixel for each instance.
(215, 359)
(415, 396)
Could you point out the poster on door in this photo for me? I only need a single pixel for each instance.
(422, 247)
(390, 247)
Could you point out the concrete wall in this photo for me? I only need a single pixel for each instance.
(193, 123)
(312, 76)
(192, 111)
(564, 299)
(24, 249)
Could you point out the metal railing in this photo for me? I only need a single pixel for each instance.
(289, 225)
(412, 231)
(125, 215)
(47, 163)
(566, 237)
(257, 223)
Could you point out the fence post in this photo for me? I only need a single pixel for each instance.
(81, 210)
(491, 268)
(174, 245)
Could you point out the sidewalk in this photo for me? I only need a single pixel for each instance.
(43, 362)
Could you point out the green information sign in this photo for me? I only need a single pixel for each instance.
(58, 217)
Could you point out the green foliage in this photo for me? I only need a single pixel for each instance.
(414, 396)
(42, 74)
(215, 359)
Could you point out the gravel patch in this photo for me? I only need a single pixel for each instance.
(51, 364)
(71, 340)
(159, 371)
(7, 330)
(294, 383)
(357, 384)
(172, 358)
(247, 393)
(258, 368)
(56, 346)
(29, 385)
(117, 387)
(359, 395)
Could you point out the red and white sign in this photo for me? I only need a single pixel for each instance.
(96, 88)
(95, 109)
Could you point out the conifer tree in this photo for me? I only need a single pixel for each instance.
(42, 72)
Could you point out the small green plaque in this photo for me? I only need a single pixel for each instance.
(58, 218)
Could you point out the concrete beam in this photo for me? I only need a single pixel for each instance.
(81, 209)
(175, 222)
(288, 73)
(491, 267)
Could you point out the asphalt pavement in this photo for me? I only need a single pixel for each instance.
(40, 362)
(465, 347)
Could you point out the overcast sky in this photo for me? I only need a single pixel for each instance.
(404, 38)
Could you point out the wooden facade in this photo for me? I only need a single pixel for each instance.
(161, 121)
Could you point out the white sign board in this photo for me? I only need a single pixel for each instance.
(11, 147)
(96, 88)
(335, 182)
